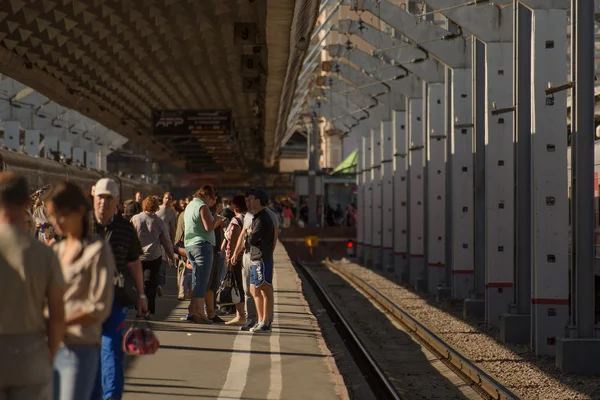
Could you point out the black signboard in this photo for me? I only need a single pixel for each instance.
(191, 122)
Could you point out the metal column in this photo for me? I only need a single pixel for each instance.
(368, 196)
(360, 203)
(416, 182)
(436, 190)
(387, 181)
(499, 174)
(313, 166)
(376, 192)
(462, 184)
(550, 287)
(400, 194)
(580, 352)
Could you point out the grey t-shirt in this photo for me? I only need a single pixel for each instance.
(249, 216)
(169, 217)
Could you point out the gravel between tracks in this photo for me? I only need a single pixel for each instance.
(526, 375)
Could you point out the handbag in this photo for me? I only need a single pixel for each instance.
(228, 292)
(140, 340)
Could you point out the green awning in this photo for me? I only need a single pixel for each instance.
(348, 166)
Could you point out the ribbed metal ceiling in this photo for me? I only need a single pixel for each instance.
(116, 60)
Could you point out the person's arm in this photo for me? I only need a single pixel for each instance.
(55, 328)
(134, 265)
(209, 223)
(238, 246)
(235, 235)
(173, 225)
(98, 305)
(165, 240)
(275, 237)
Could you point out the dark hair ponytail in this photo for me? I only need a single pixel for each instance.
(69, 197)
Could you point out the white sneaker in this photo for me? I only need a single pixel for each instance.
(257, 327)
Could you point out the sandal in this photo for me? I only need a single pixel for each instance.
(199, 319)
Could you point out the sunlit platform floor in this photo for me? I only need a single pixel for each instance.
(220, 362)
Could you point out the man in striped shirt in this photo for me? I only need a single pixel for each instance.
(125, 245)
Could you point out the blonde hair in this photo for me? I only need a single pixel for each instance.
(206, 190)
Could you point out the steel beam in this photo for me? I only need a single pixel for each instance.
(379, 93)
(376, 193)
(361, 198)
(412, 58)
(396, 79)
(449, 49)
(368, 200)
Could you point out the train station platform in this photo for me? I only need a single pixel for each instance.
(221, 362)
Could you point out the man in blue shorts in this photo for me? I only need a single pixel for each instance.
(261, 238)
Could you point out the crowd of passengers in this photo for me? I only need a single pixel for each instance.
(73, 264)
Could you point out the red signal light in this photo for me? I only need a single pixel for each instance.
(350, 244)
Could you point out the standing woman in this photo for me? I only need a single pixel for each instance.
(88, 267)
(199, 240)
(153, 234)
(232, 235)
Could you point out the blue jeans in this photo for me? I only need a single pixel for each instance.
(162, 277)
(110, 379)
(75, 371)
(201, 257)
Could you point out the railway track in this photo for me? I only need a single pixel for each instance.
(375, 377)
(481, 382)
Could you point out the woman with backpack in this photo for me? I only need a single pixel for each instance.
(232, 235)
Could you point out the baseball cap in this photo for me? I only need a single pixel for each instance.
(259, 194)
(107, 186)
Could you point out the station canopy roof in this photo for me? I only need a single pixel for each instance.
(115, 61)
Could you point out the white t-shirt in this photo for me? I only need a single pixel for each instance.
(249, 216)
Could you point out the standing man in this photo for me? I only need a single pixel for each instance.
(167, 213)
(243, 245)
(261, 238)
(135, 207)
(126, 248)
(31, 278)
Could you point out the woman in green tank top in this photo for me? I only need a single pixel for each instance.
(199, 239)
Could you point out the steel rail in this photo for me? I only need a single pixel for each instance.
(481, 381)
(376, 378)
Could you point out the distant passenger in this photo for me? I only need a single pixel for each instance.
(88, 267)
(261, 240)
(135, 207)
(167, 213)
(243, 246)
(31, 279)
(153, 235)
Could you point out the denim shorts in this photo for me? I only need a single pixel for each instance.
(261, 272)
(201, 257)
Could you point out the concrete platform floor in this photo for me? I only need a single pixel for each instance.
(220, 362)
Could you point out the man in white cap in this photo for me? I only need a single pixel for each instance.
(129, 287)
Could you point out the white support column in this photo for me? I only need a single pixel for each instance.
(91, 159)
(50, 146)
(12, 135)
(32, 142)
(400, 194)
(550, 273)
(377, 191)
(65, 148)
(462, 183)
(368, 195)
(78, 156)
(499, 175)
(436, 186)
(387, 181)
(416, 194)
